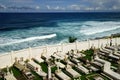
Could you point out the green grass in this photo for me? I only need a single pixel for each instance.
(53, 69)
(37, 77)
(114, 64)
(4, 69)
(89, 54)
(91, 77)
(83, 76)
(17, 73)
(44, 67)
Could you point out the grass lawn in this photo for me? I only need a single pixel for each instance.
(53, 69)
(37, 77)
(114, 64)
(44, 67)
(91, 77)
(89, 54)
(83, 76)
(17, 74)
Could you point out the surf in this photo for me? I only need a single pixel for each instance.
(30, 39)
(94, 27)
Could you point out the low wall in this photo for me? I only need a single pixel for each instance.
(7, 59)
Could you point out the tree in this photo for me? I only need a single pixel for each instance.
(72, 39)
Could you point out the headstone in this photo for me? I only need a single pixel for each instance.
(49, 72)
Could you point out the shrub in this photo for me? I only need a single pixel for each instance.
(72, 39)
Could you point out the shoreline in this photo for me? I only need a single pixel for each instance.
(116, 35)
(50, 49)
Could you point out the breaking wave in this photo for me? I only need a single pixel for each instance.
(90, 28)
(30, 39)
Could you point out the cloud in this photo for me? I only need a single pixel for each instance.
(80, 7)
(2, 6)
(89, 9)
(58, 8)
(18, 7)
(98, 8)
(22, 7)
(21, 1)
(105, 4)
(55, 7)
(74, 7)
(61, 5)
(48, 7)
(95, 5)
(115, 7)
(37, 7)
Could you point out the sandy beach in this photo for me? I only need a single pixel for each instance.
(7, 59)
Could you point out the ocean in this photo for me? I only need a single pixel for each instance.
(23, 30)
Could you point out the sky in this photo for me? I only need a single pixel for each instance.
(59, 5)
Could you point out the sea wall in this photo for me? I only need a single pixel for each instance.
(7, 59)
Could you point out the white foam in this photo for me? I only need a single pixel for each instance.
(62, 24)
(31, 39)
(90, 27)
(94, 31)
(98, 27)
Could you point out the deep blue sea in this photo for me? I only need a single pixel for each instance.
(23, 30)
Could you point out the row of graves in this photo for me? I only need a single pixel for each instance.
(108, 59)
(74, 65)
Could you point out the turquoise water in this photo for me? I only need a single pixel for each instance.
(23, 30)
